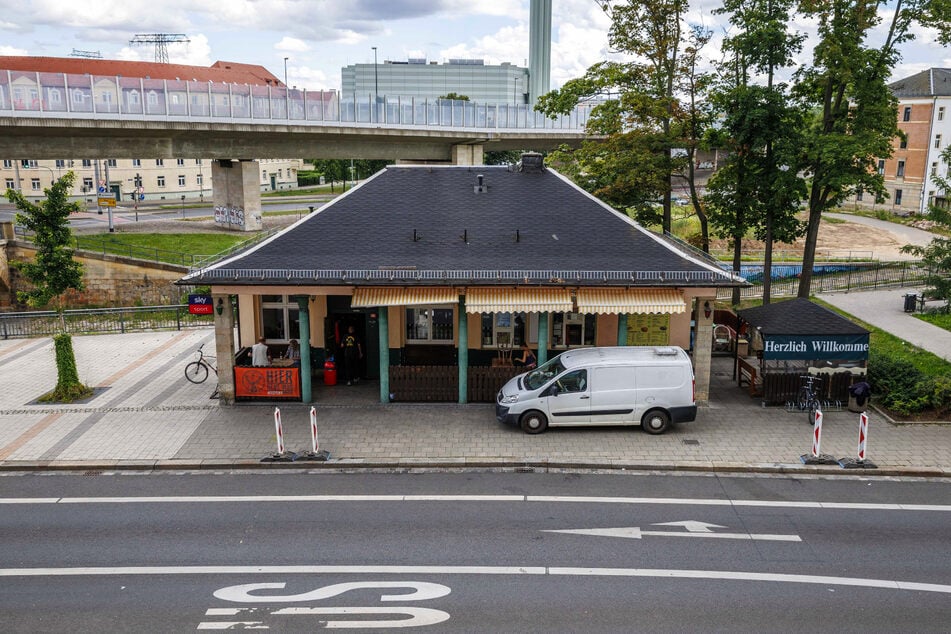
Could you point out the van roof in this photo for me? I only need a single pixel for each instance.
(624, 355)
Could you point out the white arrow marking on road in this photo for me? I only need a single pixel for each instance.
(692, 526)
(634, 532)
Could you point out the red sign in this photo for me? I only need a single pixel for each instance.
(267, 383)
(200, 309)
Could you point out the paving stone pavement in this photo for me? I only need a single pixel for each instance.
(145, 415)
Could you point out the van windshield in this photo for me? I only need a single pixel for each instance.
(544, 373)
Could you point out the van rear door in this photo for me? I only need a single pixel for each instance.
(613, 397)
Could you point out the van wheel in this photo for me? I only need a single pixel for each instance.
(533, 422)
(656, 422)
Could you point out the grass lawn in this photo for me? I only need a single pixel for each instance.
(941, 320)
(175, 248)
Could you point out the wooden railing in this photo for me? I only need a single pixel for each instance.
(440, 383)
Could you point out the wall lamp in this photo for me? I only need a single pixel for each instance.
(706, 309)
(220, 308)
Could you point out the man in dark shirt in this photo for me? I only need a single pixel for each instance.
(352, 353)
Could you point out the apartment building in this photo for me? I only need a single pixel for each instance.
(146, 87)
(924, 115)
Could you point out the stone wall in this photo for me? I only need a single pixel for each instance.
(110, 280)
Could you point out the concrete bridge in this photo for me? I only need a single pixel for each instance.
(54, 116)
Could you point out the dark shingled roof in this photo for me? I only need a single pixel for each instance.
(798, 317)
(931, 82)
(523, 221)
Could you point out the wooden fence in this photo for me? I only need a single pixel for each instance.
(440, 383)
(781, 387)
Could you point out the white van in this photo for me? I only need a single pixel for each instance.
(633, 385)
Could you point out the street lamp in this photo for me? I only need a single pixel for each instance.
(52, 174)
(515, 92)
(183, 206)
(376, 85)
(285, 72)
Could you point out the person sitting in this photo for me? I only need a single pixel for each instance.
(527, 359)
(260, 355)
(293, 351)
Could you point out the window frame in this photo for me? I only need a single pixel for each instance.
(412, 315)
(285, 307)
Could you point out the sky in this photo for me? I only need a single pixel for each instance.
(319, 37)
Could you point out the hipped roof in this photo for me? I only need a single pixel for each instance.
(798, 317)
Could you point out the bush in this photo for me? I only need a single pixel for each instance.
(902, 388)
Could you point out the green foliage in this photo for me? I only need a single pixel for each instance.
(937, 254)
(334, 170)
(68, 386)
(900, 387)
(53, 271)
(454, 97)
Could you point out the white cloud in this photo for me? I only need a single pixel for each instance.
(292, 45)
(11, 50)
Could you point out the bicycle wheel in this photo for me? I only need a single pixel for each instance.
(813, 408)
(802, 399)
(196, 372)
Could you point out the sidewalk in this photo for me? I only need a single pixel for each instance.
(145, 415)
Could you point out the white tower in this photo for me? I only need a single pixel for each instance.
(539, 50)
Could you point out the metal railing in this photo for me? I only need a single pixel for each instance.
(65, 96)
(27, 325)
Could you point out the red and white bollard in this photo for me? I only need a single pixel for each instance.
(315, 453)
(279, 431)
(816, 433)
(863, 435)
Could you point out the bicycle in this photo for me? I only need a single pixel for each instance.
(808, 399)
(197, 371)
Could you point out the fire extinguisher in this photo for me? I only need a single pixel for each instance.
(330, 372)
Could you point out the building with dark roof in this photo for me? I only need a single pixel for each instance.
(456, 265)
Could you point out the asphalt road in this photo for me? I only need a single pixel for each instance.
(466, 552)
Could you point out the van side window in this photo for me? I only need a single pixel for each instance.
(575, 381)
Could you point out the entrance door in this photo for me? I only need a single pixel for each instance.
(366, 328)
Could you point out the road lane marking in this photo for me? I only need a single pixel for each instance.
(226, 499)
(719, 575)
(634, 532)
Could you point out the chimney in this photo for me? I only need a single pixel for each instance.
(531, 162)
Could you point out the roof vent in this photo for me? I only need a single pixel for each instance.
(531, 162)
(481, 188)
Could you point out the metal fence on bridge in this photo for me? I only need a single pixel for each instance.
(67, 96)
(25, 325)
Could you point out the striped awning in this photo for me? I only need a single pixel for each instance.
(528, 300)
(630, 300)
(369, 296)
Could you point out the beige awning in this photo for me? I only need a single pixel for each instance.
(528, 300)
(369, 296)
(630, 300)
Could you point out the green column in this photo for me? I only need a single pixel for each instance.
(542, 338)
(384, 338)
(463, 352)
(622, 329)
(306, 393)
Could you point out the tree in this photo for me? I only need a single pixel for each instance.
(937, 254)
(52, 272)
(759, 187)
(641, 114)
(854, 114)
(453, 96)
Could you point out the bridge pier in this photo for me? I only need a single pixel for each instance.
(468, 154)
(237, 194)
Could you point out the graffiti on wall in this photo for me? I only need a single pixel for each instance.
(229, 216)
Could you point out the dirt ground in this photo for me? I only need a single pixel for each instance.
(836, 239)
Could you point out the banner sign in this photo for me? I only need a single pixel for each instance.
(814, 347)
(200, 305)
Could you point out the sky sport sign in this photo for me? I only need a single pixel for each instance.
(841, 347)
(200, 305)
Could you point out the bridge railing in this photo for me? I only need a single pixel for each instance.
(60, 95)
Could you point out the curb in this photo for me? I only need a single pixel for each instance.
(528, 465)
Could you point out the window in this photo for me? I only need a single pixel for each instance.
(897, 196)
(941, 113)
(572, 329)
(10, 184)
(426, 324)
(199, 180)
(159, 162)
(280, 173)
(180, 162)
(937, 141)
(105, 98)
(110, 162)
(35, 184)
(133, 97)
(181, 180)
(503, 329)
(907, 114)
(29, 163)
(55, 96)
(901, 169)
(197, 161)
(136, 162)
(87, 184)
(280, 318)
(7, 163)
(934, 168)
(87, 162)
(263, 175)
(881, 166)
(160, 181)
(574, 381)
(60, 163)
(903, 144)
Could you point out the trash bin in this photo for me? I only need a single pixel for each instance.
(859, 393)
(911, 301)
(330, 373)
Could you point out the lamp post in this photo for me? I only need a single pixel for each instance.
(52, 174)
(376, 86)
(183, 206)
(285, 72)
(515, 92)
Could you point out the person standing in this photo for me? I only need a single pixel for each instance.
(352, 353)
(260, 355)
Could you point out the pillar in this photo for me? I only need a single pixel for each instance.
(224, 346)
(468, 154)
(237, 194)
(542, 338)
(622, 329)
(303, 306)
(703, 348)
(463, 351)
(383, 333)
